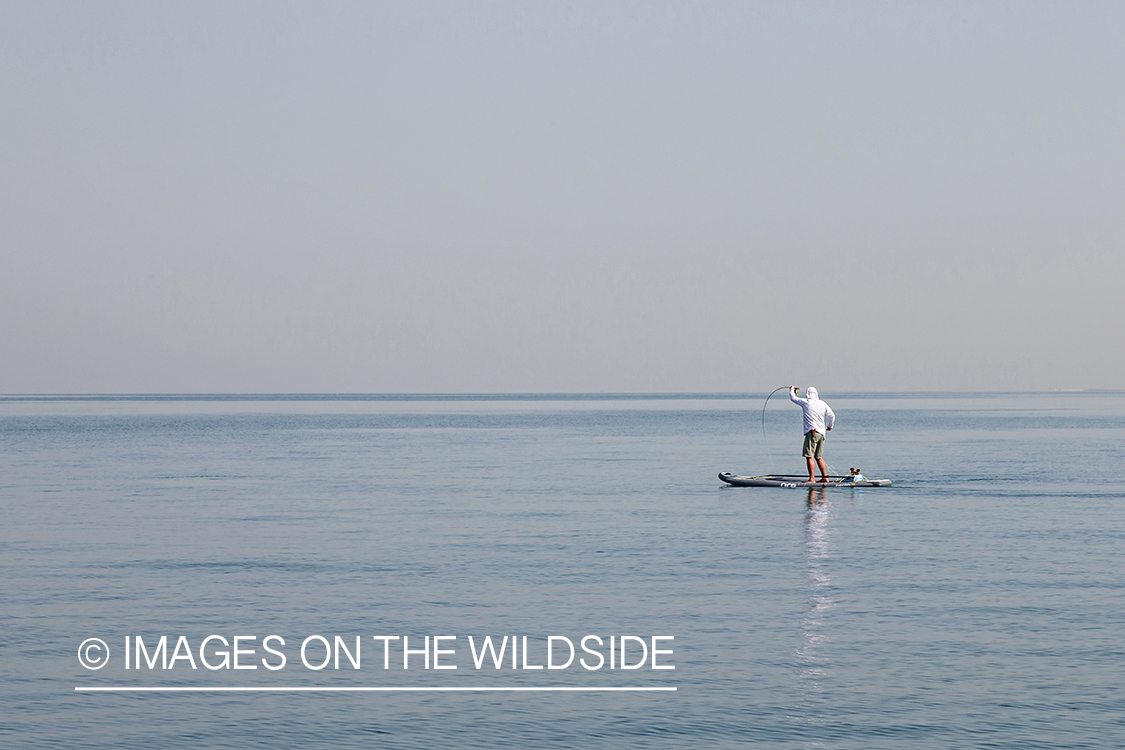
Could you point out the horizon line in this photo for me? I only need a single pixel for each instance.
(408, 689)
(500, 395)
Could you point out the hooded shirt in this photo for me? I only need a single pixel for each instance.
(816, 411)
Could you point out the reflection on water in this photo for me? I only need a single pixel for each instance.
(812, 664)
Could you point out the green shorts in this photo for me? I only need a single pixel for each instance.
(814, 445)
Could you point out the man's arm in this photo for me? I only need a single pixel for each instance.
(831, 416)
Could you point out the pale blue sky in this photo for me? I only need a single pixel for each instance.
(373, 197)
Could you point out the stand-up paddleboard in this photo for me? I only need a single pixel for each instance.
(798, 480)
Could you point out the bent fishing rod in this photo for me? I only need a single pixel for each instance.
(764, 438)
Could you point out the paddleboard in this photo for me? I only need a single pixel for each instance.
(797, 480)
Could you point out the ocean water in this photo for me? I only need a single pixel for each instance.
(977, 603)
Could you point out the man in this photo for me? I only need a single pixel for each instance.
(816, 427)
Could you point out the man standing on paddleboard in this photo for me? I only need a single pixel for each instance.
(817, 414)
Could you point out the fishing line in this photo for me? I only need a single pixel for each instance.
(764, 438)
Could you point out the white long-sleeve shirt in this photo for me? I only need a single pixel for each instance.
(816, 411)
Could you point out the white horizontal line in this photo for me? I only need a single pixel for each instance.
(132, 689)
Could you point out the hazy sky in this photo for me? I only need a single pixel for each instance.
(535, 196)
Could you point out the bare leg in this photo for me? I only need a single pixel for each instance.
(823, 469)
(812, 470)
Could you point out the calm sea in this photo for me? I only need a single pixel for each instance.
(979, 602)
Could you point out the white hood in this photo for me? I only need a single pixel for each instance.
(811, 393)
